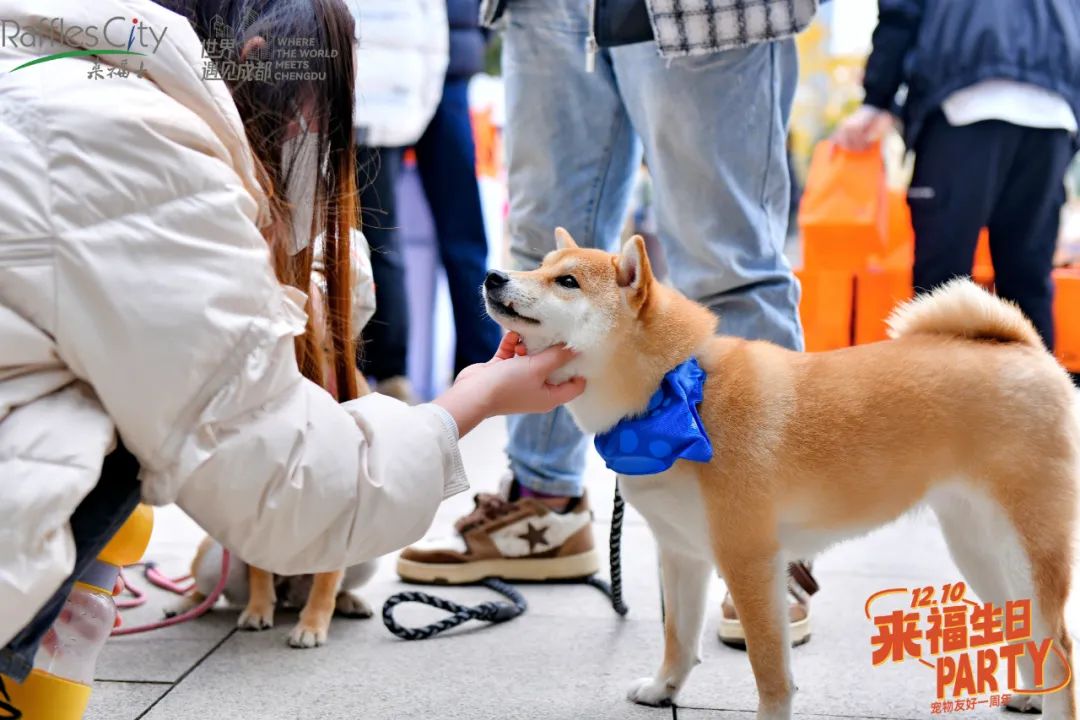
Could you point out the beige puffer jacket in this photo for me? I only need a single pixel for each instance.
(137, 297)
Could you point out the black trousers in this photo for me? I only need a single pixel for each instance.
(384, 351)
(993, 174)
(446, 161)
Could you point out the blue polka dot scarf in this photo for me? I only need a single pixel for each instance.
(669, 429)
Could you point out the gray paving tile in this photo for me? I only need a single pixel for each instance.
(144, 659)
(122, 701)
(833, 671)
(166, 654)
(535, 667)
(161, 655)
(684, 713)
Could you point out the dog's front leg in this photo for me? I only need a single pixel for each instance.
(259, 613)
(318, 610)
(758, 586)
(685, 587)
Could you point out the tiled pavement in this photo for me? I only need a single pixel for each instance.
(569, 657)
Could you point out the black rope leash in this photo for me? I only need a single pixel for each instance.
(499, 612)
(492, 612)
(614, 589)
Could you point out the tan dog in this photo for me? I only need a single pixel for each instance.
(323, 591)
(964, 410)
(319, 597)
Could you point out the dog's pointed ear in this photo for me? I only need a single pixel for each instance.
(634, 273)
(563, 241)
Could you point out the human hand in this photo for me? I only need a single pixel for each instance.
(511, 346)
(863, 128)
(511, 382)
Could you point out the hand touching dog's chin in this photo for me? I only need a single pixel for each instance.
(537, 340)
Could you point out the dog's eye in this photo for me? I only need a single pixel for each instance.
(568, 281)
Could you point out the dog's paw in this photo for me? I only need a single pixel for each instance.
(651, 691)
(352, 606)
(256, 618)
(306, 636)
(1025, 703)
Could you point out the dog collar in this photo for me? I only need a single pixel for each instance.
(669, 428)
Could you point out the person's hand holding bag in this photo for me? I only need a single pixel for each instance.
(863, 128)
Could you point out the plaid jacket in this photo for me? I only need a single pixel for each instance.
(699, 27)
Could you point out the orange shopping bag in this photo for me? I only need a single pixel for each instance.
(1066, 320)
(826, 308)
(844, 214)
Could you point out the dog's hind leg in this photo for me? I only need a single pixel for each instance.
(1005, 561)
(685, 588)
(348, 603)
(259, 613)
(315, 618)
(1051, 571)
(1046, 531)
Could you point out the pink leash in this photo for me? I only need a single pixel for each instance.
(172, 585)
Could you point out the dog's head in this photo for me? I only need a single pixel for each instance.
(577, 297)
(627, 327)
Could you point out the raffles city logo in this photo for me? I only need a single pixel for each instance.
(115, 36)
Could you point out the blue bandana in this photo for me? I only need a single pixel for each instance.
(669, 429)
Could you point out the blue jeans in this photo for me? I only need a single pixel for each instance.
(713, 131)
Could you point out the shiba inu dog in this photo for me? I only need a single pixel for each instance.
(318, 596)
(963, 410)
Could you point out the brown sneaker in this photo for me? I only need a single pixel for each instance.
(801, 585)
(521, 539)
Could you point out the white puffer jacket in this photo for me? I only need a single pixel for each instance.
(137, 297)
(401, 58)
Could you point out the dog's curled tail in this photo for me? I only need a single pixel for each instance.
(962, 309)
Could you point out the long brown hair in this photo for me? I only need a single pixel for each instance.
(244, 37)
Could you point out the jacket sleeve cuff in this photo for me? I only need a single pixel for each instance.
(456, 480)
(877, 99)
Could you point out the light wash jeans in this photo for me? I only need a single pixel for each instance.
(713, 129)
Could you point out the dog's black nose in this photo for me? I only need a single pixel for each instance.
(496, 279)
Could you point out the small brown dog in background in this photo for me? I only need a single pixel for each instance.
(320, 595)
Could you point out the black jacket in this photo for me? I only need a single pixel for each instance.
(467, 40)
(936, 47)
